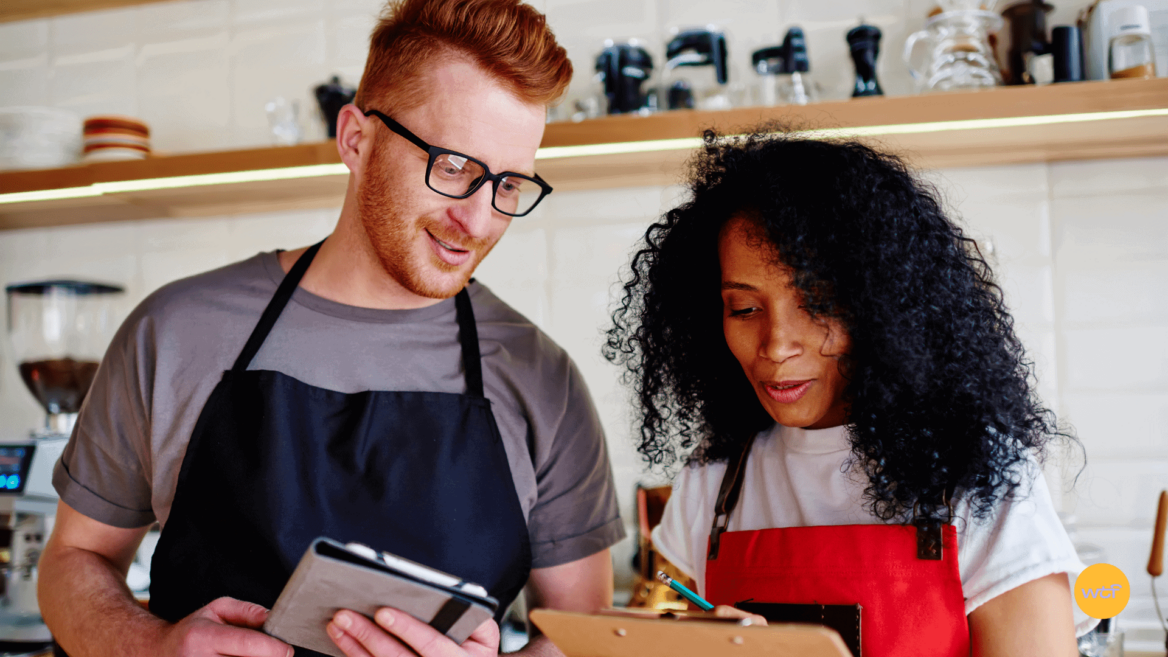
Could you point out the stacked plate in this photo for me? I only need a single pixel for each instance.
(38, 138)
(109, 138)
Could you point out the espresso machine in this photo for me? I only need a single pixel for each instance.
(58, 331)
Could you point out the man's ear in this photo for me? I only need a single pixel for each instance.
(354, 137)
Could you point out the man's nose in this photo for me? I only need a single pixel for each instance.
(474, 212)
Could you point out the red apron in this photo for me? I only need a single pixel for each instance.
(909, 591)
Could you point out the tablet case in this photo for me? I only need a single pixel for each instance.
(330, 577)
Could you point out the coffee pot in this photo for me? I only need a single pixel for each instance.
(622, 68)
(953, 51)
(697, 70)
(864, 43)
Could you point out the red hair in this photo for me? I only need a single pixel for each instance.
(509, 40)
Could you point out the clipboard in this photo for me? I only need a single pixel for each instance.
(649, 635)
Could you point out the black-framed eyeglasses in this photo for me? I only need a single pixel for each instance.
(455, 175)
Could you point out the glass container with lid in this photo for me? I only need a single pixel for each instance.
(1131, 54)
(59, 331)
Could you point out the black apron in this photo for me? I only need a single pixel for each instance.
(274, 463)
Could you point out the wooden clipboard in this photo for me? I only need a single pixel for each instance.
(601, 635)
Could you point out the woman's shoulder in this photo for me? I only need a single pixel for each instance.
(1021, 539)
(697, 483)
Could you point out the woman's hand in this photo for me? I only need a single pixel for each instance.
(726, 611)
(397, 634)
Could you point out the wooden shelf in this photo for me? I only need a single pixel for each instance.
(19, 10)
(1091, 120)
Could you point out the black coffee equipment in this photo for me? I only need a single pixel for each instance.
(1066, 43)
(769, 63)
(702, 52)
(623, 68)
(1028, 38)
(332, 96)
(796, 86)
(864, 41)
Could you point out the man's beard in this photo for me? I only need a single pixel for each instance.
(393, 237)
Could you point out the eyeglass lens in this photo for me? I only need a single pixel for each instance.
(455, 175)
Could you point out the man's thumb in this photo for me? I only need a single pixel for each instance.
(239, 612)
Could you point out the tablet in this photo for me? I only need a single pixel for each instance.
(332, 576)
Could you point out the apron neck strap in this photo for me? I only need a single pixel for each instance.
(468, 336)
(275, 307)
(728, 496)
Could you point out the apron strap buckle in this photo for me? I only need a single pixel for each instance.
(930, 547)
(716, 534)
(929, 544)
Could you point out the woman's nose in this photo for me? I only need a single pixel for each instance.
(781, 342)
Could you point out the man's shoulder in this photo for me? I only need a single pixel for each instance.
(239, 284)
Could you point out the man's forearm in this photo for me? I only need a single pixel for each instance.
(88, 607)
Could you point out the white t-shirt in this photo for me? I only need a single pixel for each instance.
(796, 478)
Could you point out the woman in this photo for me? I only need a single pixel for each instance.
(829, 355)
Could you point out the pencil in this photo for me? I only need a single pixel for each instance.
(685, 592)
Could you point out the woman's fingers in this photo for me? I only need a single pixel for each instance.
(725, 611)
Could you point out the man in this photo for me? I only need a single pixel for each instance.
(341, 390)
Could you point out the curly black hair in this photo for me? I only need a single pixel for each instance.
(940, 392)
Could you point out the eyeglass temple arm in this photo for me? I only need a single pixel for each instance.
(399, 129)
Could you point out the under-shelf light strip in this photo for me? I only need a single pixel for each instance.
(560, 152)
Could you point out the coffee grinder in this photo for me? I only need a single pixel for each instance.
(864, 43)
(623, 68)
(59, 331)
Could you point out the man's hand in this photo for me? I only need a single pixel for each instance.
(225, 627)
(397, 634)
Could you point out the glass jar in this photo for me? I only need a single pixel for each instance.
(1130, 53)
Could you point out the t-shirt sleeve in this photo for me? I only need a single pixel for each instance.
(104, 470)
(672, 537)
(576, 513)
(1020, 542)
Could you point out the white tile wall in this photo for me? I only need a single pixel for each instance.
(1080, 248)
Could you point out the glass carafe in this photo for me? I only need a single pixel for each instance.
(953, 51)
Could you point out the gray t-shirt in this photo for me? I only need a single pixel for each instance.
(121, 465)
